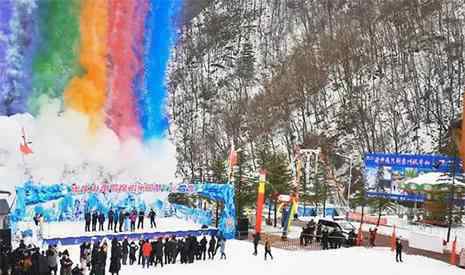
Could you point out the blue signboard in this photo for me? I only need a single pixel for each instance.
(384, 173)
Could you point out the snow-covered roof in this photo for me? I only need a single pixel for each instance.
(435, 178)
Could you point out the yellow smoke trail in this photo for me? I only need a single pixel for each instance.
(87, 93)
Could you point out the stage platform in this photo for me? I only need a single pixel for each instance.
(72, 233)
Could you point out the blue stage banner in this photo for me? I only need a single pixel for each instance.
(385, 173)
(130, 236)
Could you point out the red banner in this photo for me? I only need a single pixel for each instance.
(133, 187)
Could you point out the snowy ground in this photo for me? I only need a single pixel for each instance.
(361, 261)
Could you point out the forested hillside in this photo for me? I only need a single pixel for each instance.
(349, 76)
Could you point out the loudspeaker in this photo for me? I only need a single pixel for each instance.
(242, 228)
(5, 237)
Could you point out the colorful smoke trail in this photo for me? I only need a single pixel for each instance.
(106, 59)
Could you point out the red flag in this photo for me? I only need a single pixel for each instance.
(24, 147)
(453, 252)
(232, 158)
(393, 239)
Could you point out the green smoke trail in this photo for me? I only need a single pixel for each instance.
(56, 60)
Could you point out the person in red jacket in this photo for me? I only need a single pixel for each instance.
(146, 252)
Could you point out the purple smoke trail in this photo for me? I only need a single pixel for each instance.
(6, 12)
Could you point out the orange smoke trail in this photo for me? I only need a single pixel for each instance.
(87, 93)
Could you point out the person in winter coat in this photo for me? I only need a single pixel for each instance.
(196, 248)
(132, 252)
(373, 236)
(115, 220)
(141, 245)
(152, 255)
(192, 248)
(352, 237)
(179, 248)
(203, 247)
(115, 259)
(125, 251)
(133, 218)
(65, 264)
(159, 252)
(93, 259)
(101, 221)
(212, 248)
(318, 233)
(185, 251)
(87, 219)
(5, 258)
(268, 248)
(324, 239)
(40, 265)
(101, 260)
(111, 215)
(52, 260)
(256, 240)
(174, 250)
(122, 219)
(85, 259)
(152, 216)
(222, 244)
(167, 250)
(146, 252)
(140, 224)
(94, 221)
(398, 250)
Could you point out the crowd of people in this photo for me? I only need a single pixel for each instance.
(118, 221)
(29, 260)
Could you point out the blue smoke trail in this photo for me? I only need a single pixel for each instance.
(160, 35)
(19, 24)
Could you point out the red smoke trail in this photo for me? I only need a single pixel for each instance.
(125, 47)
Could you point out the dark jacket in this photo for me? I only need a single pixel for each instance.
(111, 215)
(87, 217)
(132, 250)
(94, 218)
(159, 249)
(101, 218)
(115, 261)
(256, 239)
(212, 244)
(203, 244)
(125, 247)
